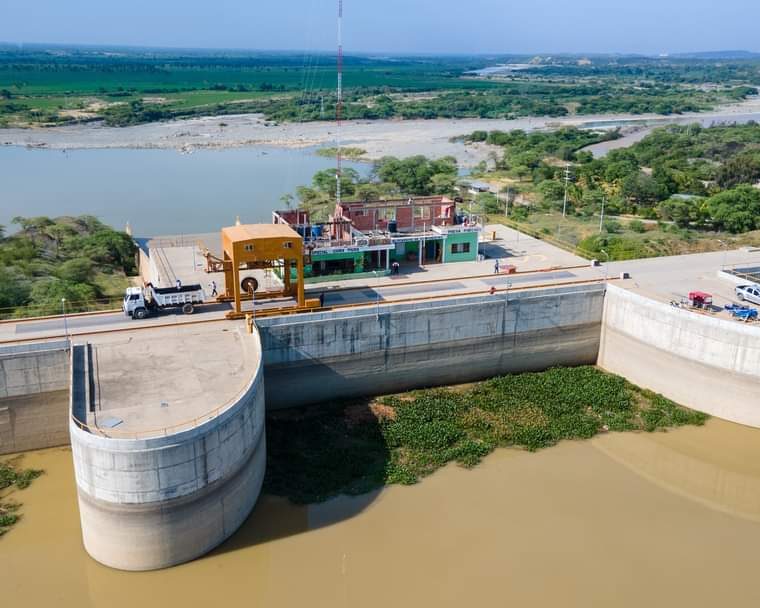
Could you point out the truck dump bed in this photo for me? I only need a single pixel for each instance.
(169, 296)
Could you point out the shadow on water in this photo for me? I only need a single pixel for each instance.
(325, 464)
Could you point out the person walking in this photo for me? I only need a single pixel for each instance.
(395, 267)
(213, 289)
(496, 267)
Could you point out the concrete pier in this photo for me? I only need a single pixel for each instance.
(163, 480)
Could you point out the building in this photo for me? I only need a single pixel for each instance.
(365, 236)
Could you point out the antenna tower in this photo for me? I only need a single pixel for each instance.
(339, 103)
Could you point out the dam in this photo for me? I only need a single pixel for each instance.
(166, 422)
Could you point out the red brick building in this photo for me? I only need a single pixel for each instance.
(400, 215)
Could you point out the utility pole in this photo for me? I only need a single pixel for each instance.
(65, 322)
(567, 182)
(601, 218)
(506, 209)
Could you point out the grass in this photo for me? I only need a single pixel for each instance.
(578, 233)
(348, 152)
(12, 476)
(338, 448)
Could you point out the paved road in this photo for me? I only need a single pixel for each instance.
(404, 289)
(664, 279)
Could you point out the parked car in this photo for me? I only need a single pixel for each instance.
(750, 293)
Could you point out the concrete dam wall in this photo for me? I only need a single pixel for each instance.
(395, 347)
(708, 364)
(149, 503)
(34, 383)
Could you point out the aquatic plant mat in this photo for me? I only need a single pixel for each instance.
(12, 478)
(317, 452)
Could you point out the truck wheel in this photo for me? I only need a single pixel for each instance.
(139, 313)
(188, 308)
(249, 284)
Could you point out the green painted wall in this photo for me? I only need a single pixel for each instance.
(358, 259)
(465, 237)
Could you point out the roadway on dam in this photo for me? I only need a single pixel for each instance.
(538, 264)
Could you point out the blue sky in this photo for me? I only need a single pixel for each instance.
(453, 26)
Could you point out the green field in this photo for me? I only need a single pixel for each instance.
(61, 85)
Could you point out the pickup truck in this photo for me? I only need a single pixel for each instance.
(140, 302)
(750, 293)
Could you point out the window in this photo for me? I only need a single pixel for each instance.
(422, 213)
(247, 247)
(460, 248)
(288, 244)
(388, 214)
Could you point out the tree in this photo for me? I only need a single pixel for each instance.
(77, 270)
(47, 294)
(736, 210)
(742, 169)
(15, 287)
(684, 212)
(287, 200)
(413, 175)
(443, 183)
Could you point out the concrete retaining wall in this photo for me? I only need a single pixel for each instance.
(709, 364)
(34, 382)
(153, 503)
(390, 348)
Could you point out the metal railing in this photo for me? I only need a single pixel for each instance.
(53, 309)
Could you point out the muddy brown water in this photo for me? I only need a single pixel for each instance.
(665, 519)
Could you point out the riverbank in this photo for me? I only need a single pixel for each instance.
(378, 138)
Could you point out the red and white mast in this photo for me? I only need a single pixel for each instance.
(339, 103)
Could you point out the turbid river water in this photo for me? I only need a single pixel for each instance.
(666, 519)
(156, 191)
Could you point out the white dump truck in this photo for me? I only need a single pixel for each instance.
(140, 302)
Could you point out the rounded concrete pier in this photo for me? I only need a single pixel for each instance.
(171, 465)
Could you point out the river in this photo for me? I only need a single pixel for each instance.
(158, 191)
(639, 129)
(665, 519)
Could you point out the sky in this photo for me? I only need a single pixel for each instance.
(398, 26)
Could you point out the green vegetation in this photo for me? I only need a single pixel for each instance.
(79, 259)
(391, 177)
(317, 453)
(11, 475)
(693, 185)
(348, 152)
(40, 85)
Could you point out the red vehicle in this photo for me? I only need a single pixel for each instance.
(700, 299)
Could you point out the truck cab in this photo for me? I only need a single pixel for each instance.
(134, 304)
